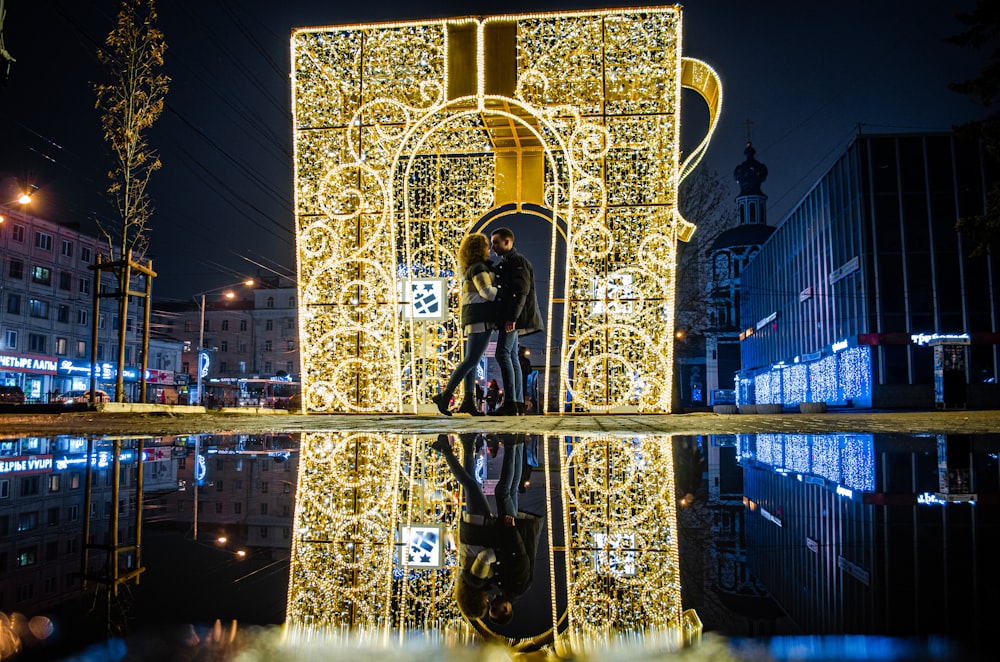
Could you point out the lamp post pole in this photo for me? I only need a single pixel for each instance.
(201, 333)
(197, 360)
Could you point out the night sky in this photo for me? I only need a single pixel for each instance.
(806, 74)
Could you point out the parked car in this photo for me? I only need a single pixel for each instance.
(83, 397)
(11, 395)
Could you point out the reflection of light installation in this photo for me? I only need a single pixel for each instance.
(622, 566)
(357, 493)
(373, 548)
(409, 135)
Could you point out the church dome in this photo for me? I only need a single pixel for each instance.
(751, 173)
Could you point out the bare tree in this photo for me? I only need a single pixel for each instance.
(705, 201)
(130, 102)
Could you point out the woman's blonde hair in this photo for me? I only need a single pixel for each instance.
(474, 248)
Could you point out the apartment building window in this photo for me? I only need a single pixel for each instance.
(223, 367)
(53, 516)
(85, 254)
(81, 349)
(243, 348)
(38, 308)
(270, 302)
(291, 345)
(27, 521)
(11, 339)
(289, 366)
(291, 302)
(26, 557)
(263, 509)
(85, 286)
(289, 323)
(14, 303)
(67, 248)
(4, 493)
(267, 346)
(62, 313)
(267, 367)
(82, 317)
(185, 367)
(224, 346)
(41, 275)
(29, 485)
(269, 325)
(100, 351)
(61, 345)
(243, 325)
(17, 234)
(237, 507)
(243, 367)
(37, 342)
(73, 513)
(54, 482)
(187, 327)
(225, 325)
(129, 324)
(43, 240)
(16, 269)
(65, 280)
(101, 320)
(128, 355)
(114, 322)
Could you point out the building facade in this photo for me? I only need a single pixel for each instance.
(47, 291)
(252, 336)
(846, 301)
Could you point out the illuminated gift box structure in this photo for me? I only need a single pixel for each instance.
(408, 136)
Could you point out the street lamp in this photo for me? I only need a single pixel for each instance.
(200, 369)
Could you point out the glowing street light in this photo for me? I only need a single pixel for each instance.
(24, 199)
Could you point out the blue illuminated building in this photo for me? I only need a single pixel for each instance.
(845, 301)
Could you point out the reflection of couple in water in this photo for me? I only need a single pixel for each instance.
(497, 552)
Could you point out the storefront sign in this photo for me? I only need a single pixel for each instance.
(159, 376)
(28, 464)
(105, 372)
(20, 363)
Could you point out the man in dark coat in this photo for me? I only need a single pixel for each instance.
(495, 551)
(518, 315)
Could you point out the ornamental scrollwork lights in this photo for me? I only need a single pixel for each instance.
(406, 134)
(612, 572)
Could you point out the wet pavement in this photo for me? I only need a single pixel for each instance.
(167, 420)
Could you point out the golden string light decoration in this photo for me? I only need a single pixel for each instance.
(406, 135)
(360, 494)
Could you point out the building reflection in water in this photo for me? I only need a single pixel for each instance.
(376, 546)
(852, 533)
(772, 534)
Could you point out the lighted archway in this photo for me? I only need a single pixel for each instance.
(407, 133)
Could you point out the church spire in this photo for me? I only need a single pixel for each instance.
(751, 203)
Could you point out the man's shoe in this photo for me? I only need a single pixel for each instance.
(507, 409)
(441, 400)
(468, 408)
(520, 408)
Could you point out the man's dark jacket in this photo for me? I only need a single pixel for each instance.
(514, 546)
(517, 299)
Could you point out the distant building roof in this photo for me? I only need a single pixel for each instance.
(742, 235)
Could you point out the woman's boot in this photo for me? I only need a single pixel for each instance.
(442, 400)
